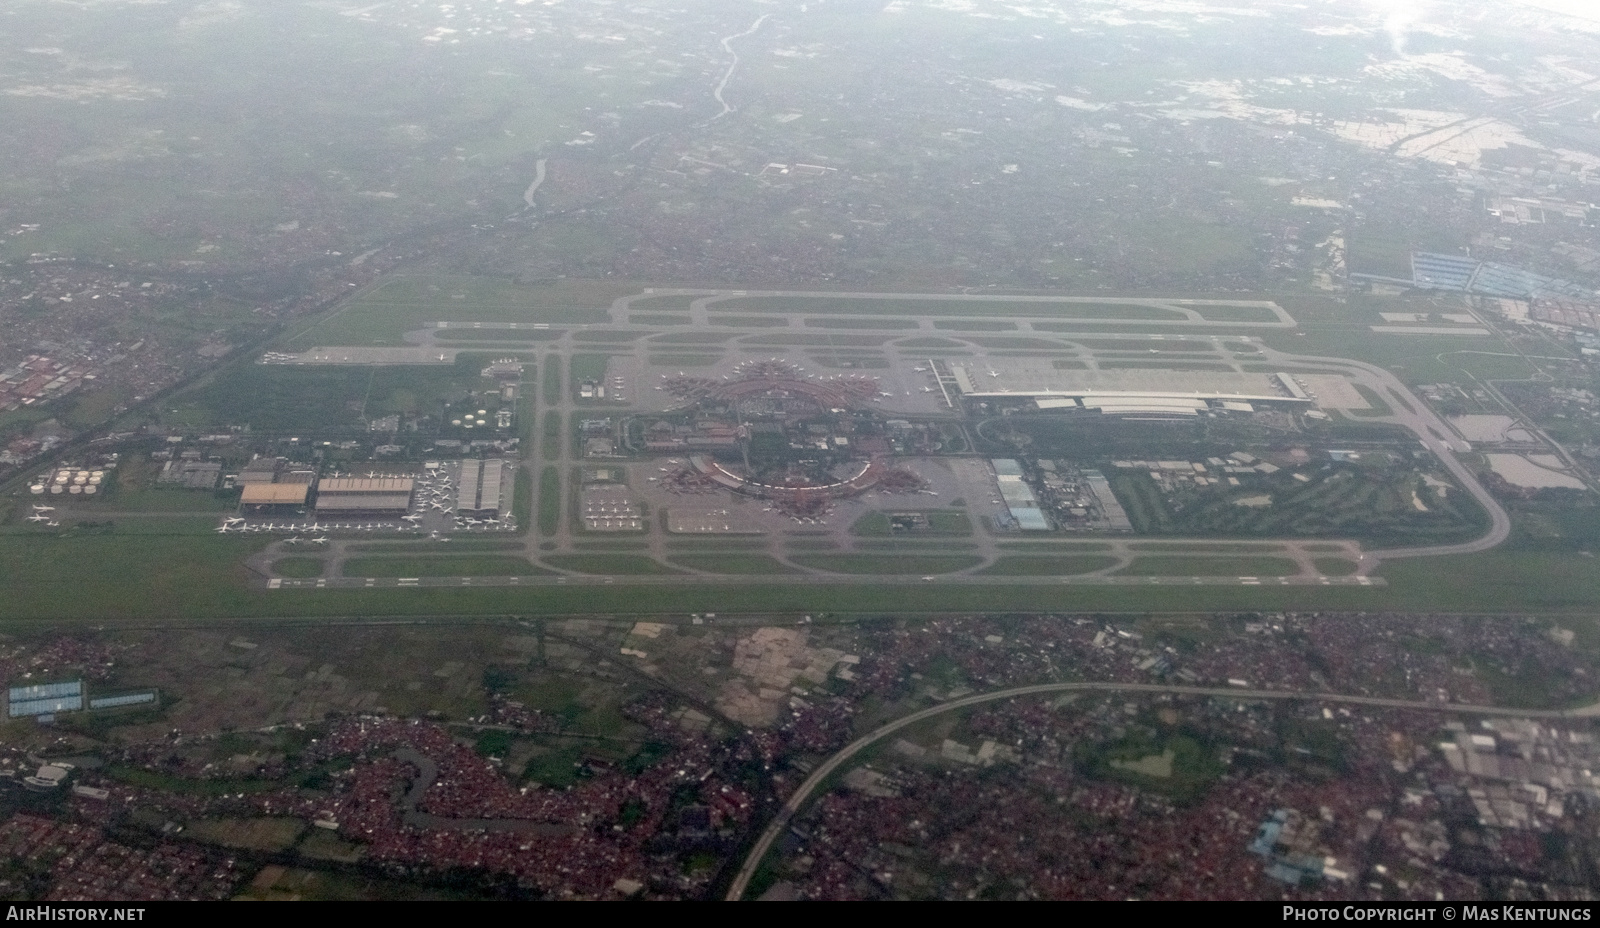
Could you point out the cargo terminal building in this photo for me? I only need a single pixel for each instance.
(383, 497)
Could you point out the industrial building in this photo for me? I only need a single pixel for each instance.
(480, 490)
(377, 496)
(1018, 496)
(43, 699)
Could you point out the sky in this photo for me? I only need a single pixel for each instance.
(1584, 9)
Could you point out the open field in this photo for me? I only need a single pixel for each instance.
(732, 563)
(885, 564)
(301, 399)
(382, 314)
(1066, 565)
(636, 564)
(928, 308)
(297, 567)
(549, 500)
(940, 522)
(469, 565)
(1165, 566)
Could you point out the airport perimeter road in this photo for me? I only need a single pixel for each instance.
(1435, 435)
(741, 882)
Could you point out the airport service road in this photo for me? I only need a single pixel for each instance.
(632, 580)
(795, 802)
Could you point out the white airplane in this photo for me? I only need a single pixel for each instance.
(292, 541)
(411, 518)
(232, 521)
(38, 518)
(319, 541)
(920, 370)
(220, 530)
(994, 373)
(39, 508)
(927, 389)
(52, 524)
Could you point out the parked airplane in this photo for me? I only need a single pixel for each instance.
(36, 517)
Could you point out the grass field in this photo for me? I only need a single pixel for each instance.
(498, 335)
(859, 322)
(1017, 566)
(470, 565)
(382, 314)
(522, 501)
(637, 564)
(427, 546)
(297, 567)
(974, 325)
(609, 335)
(748, 322)
(550, 389)
(920, 308)
(304, 399)
(549, 500)
(587, 366)
(940, 522)
(886, 564)
(685, 360)
(732, 563)
(550, 437)
(692, 338)
(1063, 547)
(1209, 547)
(1162, 566)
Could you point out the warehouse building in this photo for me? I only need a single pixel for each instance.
(267, 498)
(480, 489)
(375, 496)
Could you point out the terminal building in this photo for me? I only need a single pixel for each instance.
(365, 496)
(480, 489)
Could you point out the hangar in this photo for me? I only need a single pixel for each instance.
(385, 496)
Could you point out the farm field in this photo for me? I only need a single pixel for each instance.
(381, 315)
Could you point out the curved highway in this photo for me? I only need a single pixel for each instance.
(741, 882)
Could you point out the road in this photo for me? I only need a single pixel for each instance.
(795, 802)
